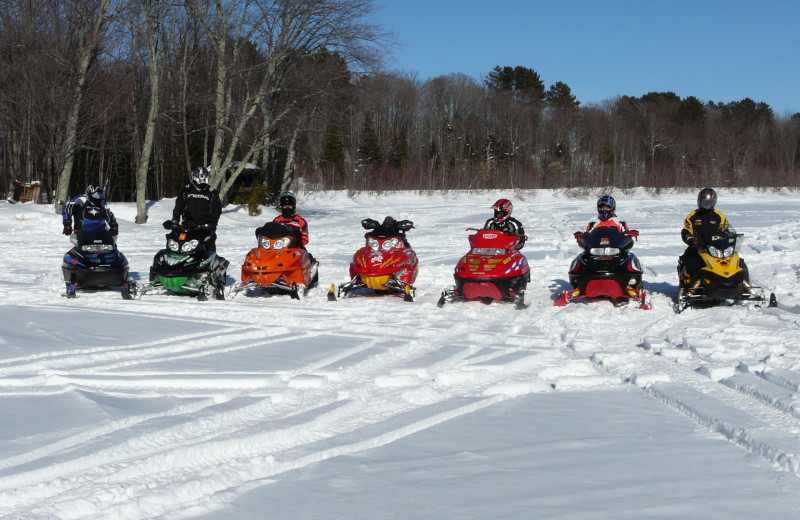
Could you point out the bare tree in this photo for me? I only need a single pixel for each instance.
(147, 15)
(89, 20)
(284, 32)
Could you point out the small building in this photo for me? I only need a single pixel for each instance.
(23, 191)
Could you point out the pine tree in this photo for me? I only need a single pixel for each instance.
(369, 148)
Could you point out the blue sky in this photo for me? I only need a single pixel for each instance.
(714, 50)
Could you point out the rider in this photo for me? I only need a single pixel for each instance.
(606, 216)
(88, 212)
(702, 222)
(198, 206)
(288, 204)
(502, 221)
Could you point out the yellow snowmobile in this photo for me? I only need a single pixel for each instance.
(724, 276)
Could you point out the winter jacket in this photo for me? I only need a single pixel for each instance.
(296, 221)
(509, 226)
(81, 215)
(613, 222)
(702, 223)
(197, 207)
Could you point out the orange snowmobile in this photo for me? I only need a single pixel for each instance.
(280, 264)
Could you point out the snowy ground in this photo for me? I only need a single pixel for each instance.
(373, 408)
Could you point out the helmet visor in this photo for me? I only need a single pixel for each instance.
(706, 203)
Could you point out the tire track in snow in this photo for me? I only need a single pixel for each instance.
(716, 393)
(318, 416)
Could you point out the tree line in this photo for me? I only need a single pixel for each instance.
(280, 94)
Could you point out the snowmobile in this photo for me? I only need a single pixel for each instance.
(279, 264)
(724, 276)
(606, 270)
(185, 266)
(386, 264)
(493, 269)
(96, 263)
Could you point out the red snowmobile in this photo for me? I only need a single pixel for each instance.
(279, 265)
(493, 269)
(606, 270)
(386, 264)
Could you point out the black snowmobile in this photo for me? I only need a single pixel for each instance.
(606, 270)
(185, 266)
(96, 263)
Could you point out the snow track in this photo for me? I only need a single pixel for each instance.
(186, 406)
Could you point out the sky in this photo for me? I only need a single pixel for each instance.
(719, 51)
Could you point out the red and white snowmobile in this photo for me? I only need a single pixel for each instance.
(386, 264)
(606, 270)
(492, 270)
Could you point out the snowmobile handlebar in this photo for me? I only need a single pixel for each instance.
(399, 225)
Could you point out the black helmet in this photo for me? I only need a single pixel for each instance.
(95, 194)
(502, 209)
(200, 177)
(707, 199)
(606, 206)
(288, 204)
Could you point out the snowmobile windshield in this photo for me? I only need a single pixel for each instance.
(384, 232)
(274, 231)
(95, 237)
(723, 245)
(606, 241)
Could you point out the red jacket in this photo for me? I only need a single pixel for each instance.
(296, 221)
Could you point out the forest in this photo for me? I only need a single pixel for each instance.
(293, 94)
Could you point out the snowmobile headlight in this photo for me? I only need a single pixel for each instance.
(173, 245)
(189, 246)
(390, 244)
(487, 251)
(264, 242)
(281, 243)
(373, 244)
(97, 248)
(604, 251)
(720, 253)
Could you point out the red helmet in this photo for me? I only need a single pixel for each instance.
(502, 209)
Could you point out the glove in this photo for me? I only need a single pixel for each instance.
(169, 224)
(114, 228)
(67, 230)
(632, 233)
(578, 235)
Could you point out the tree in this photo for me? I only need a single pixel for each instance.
(90, 22)
(559, 96)
(284, 32)
(149, 14)
(523, 83)
(369, 147)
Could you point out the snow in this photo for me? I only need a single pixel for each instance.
(374, 408)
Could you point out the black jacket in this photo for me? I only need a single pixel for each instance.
(509, 226)
(195, 207)
(703, 224)
(81, 215)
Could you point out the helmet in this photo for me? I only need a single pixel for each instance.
(606, 206)
(502, 209)
(288, 204)
(95, 194)
(200, 177)
(707, 199)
